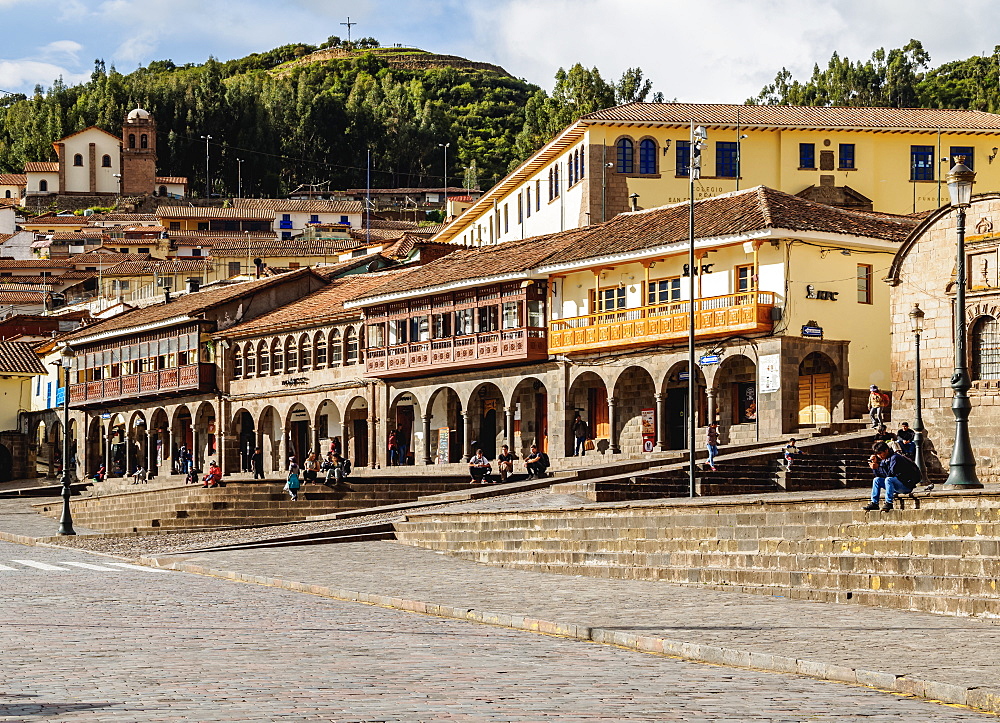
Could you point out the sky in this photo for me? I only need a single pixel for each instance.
(692, 50)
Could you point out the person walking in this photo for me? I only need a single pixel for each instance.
(581, 433)
(505, 463)
(257, 463)
(393, 448)
(184, 457)
(712, 444)
(877, 401)
(894, 473)
(292, 482)
(789, 452)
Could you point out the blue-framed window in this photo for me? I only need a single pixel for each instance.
(725, 159)
(527, 199)
(583, 163)
(921, 163)
(647, 156)
(846, 159)
(970, 156)
(626, 156)
(556, 177)
(682, 154)
(314, 218)
(807, 155)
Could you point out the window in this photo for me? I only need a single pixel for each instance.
(238, 362)
(196, 252)
(682, 156)
(921, 163)
(626, 150)
(551, 186)
(970, 156)
(536, 314)
(286, 217)
(314, 218)
(520, 209)
(143, 141)
(864, 284)
(647, 156)
(336, 350)
(527, 201)
(611, 299)
(319, 343)
(234, 268)
(420, 329)
(131, 140)
(163, 191)
(985, 342)
(512, 315)
(538, 195)
(463, 322)
(7, 194)
(43, 185)
(263, 358)
(305, 352)
(397, 332)
(807, 155)
(441, 326)
(351, 346)
(291, 356)
(582, 168)
(345, 220)
(743, 276)
(574, 174)
(203, 225)
(286, 235)
(725, 159)
(556, 176)
(846, 159)
(489, 318)
(105, 161)
(251, 360)
(506, 218)
(664, 291)
(142, 251)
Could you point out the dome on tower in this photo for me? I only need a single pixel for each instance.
(138, 114)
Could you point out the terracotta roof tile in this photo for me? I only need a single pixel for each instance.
(150, 267)
(18, 357)
(291, 205)
(41, 167)
(277, 247)
(123, 217)
(13, 179)
(22, 297)
(172, 179)
(247, 214)
(105, 259)
(681, 114)
(56, 221)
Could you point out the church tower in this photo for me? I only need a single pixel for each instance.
(138, 154)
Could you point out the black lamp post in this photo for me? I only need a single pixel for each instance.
(66, 520)
(963, 461)
(917, 324)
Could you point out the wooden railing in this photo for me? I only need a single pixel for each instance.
(194, 377)
(743, 313)
(469, 350)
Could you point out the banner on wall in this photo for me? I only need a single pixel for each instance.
(770, 373)
(648, 430)
(444, 446)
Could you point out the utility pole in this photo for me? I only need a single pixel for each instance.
(239, 178)
(208, 183)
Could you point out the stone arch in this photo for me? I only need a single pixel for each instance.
(160, 448)
(137, 446)
(298, 433)
(406, 418)
(269, 435)
(733, 399)
(635, 411)
(675, 404)
(41, 450)
(588, 397)
(94, 446)
(444, 407)
(528, 417)
(820, 390)
(357, 443)
(484, 421)
(206, 426)
(329, 427)
(243, 433)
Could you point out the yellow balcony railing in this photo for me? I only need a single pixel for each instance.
(747, 312)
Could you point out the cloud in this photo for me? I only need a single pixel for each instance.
(25, 74)
(67, 49)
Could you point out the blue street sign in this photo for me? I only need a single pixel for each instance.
(709, 359)
(60, 396)
(683, 376)
(812, 331)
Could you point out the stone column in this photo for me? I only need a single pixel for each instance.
(220, 450)
(107, 452)
(128, 453)
(614, 447)
(466, 435)
(195, 448)
(427, 438)
(509, 427)
(283, 450)
(661, 421)
(711, 393)
(151, 438)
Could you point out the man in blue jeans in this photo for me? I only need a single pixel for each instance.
(894, 473)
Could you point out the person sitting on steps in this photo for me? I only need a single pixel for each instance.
(479, 468)
(895, 474)
(505, 463)
(536, 462)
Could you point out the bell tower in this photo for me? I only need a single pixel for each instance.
(138, 154)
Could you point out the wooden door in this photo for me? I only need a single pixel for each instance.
(597, 403)
(814, 399)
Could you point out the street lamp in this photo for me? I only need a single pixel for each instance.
(239, 178)
(917, 325)
(66, 520)
(963, 463)
(699, 138)
(208, 185)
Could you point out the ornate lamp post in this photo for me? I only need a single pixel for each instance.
(699, 139)
(917, 324)
(66, 520)
(963, 462)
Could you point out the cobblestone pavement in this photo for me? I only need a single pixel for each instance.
(131, 645)
(919, 645)
(19, 517)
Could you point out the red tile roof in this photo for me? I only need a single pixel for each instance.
(41, 167)
(277, 247)
(34, 264)
(17, 357)
(790, 116)
(13, 179)
(245, 214)
(172, 179)
(56, 221)
(149, 267)
(291, 205)
(22, 297)
(123, 217)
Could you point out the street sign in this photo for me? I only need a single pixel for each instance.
(683, 376)
(710, 359)
(60, 396)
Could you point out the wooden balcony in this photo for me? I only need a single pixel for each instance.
(191, 378)
(459, 352)
(744, 313)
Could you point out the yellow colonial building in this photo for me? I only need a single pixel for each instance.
(637, 155)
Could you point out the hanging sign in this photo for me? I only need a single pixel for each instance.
(709, 359)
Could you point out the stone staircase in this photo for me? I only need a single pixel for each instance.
(239, 504)
(941, 554)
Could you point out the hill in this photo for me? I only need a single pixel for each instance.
(396, 57)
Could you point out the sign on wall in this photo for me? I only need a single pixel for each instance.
(769, 370)
(648, 430)
(444, 445)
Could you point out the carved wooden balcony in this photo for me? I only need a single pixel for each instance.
(193, 378)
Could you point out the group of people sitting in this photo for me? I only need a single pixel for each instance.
(480, 468)
(334, 467)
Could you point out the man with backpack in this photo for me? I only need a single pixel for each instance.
(877, 402)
